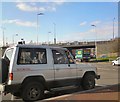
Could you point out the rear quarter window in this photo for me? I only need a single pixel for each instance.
(32, 56)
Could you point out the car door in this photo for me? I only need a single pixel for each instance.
(72, 65)
(61, 67)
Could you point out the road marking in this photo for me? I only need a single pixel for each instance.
(63, 96)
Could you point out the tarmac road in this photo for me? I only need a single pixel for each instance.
(108, 73)
(109, 76)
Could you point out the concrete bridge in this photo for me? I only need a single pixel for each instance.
(109, 48)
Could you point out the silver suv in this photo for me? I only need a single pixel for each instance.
(28, 70)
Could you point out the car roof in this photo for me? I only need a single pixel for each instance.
(38, 46)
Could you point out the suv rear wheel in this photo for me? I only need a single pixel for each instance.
(33, 91)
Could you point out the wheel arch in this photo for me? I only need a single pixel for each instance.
(85, 80)
(89, 72)
(37, 78)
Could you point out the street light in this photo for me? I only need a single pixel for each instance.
(37, 24)
(48, 37)
(3, 29)
(95, 31)
(13, 37)
(95, 40)
(54, 33)
(113, 27)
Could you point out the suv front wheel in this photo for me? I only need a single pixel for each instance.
(33, 91)
(88, 82)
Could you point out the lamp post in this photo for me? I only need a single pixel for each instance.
(3, 29)
(95, 40)
(48, 37)
(37, 24)
(54, 33)
(13, 37)
(113, 27)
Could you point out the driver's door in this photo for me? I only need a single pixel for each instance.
(61, 67)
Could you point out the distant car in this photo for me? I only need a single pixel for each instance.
(116, 62)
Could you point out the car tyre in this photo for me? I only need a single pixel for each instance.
(113, 64)
(88, 82)
(33, 92)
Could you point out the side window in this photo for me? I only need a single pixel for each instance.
(70, 57)
(59, 57)
(25, 56)
(40, 56)
(32, 56)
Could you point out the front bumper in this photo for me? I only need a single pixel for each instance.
(97, 76)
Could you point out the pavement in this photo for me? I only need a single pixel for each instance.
(110, 93)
